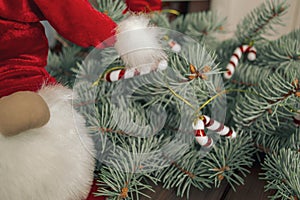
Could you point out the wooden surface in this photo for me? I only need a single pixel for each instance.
(253, 189)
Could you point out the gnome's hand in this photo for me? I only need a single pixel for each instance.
(22, 111)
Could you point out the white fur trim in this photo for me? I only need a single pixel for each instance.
(137, 43)
(54, 162)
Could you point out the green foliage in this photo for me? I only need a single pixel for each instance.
(201, 26)
(260, 21)
(185, 172)
(268, 96)
(130, 162)
(116, 120)
(198, 25)
(281, 54)
(230, 160)
(268, 107)
(142, 126)
(160, 20)
(113, 9)
(286, 137)
(61, 65)
(282, 174)
(265, 101)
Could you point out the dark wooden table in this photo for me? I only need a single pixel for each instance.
(253, 189)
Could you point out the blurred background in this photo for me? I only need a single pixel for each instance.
(235, 10)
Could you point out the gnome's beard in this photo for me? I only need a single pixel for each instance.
(52, 162)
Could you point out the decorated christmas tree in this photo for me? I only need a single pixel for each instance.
(198, 117)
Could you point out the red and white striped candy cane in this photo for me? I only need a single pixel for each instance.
(235, 58)
(200, 135)
(218, 127)
(174, 46)
(129, 73)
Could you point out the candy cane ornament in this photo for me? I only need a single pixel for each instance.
(132, 72)
(205, 121)
(235, 58)
(218, 127)
(200, 134)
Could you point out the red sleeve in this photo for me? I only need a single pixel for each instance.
(77, 21)
(143, 5)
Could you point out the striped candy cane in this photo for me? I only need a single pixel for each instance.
(218, 127)
(174, 46)
(200, 135)
(235, 58)
(129, 73)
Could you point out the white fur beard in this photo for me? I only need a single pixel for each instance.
(137, 43)
(54, 162)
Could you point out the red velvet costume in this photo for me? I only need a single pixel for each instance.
(24, 47)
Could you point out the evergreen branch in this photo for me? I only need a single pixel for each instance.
(282, 53)
(190, 174)
(242, 83)
(114, 9)
(110, 185)
(281, 89)
(199, 25)
(281, 171)
(270, 100)
(85, 101)
(131, 160)
(230, 159)
(251, 75)
(269, 116)
(185, 172)
(153, 107)
(160, 20)
(286, 137)
(61, 65)
(181, 98)
(224, 51)
(165, 87)
(260, 20)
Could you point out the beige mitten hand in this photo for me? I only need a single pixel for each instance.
(22, 111)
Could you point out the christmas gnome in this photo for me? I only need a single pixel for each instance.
(45, 150)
